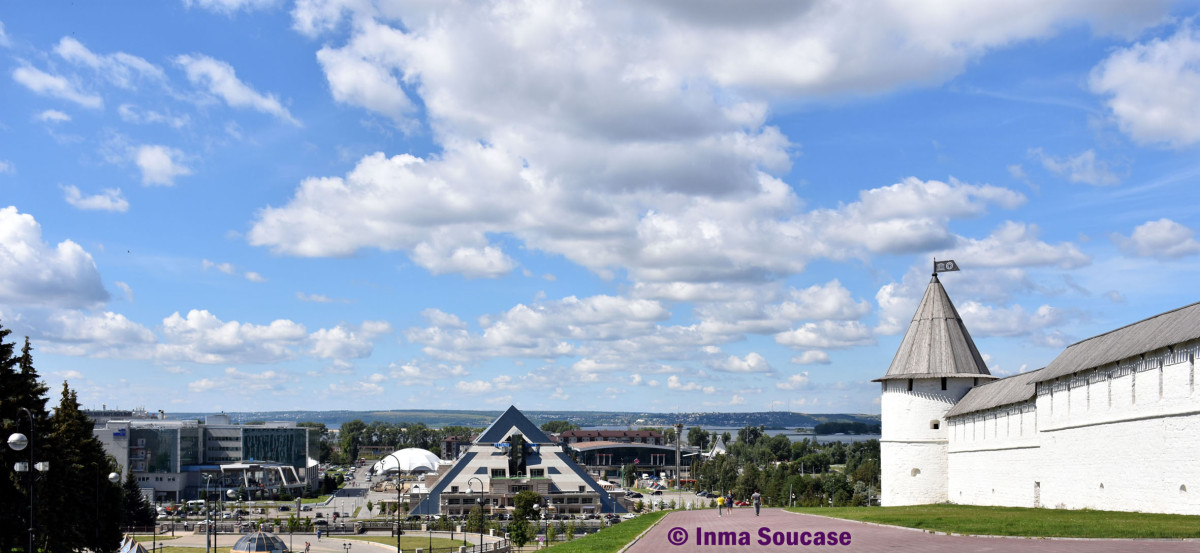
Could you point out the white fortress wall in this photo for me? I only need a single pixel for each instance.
(1123, 436)
(994, 457)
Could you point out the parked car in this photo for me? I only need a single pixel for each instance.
(284, 508)
(306, 507)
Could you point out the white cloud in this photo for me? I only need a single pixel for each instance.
(108, 200)
(4, 41)
(120, 69)
(244, 383)
(7, 167)
(229, 7)
(160, 165)
(1015, 244)
(827, 335)
(674, 383)
(986, 320)
(318, 298)
(220, 80)
(35, 273)
(254, 277)
(737, 400)
(203, 338)
(828, 301)
(752, 363)
(1153, 88)
(811, 357)
(476, 387)
(133, 114)
(53, 116)
(797, 381)
(55, 86)
(227, 268)
(559, 394)
(126, 290)
(1084, 167)
(1163, 239)
(344, 342)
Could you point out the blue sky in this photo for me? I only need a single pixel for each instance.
(649, 206)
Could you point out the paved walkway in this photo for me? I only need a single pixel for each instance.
(677, 532)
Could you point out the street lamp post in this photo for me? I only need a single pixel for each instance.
(537, 514)
(18, 442)
(479, 502)
(112, 478)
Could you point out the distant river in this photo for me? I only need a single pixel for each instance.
(791, 434)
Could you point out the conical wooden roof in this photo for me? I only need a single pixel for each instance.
(937, 343)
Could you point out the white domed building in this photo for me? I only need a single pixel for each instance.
(412, 460)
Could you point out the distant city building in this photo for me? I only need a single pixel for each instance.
(652, 437)
(1109, 424)
(510, 456)
(172, 458)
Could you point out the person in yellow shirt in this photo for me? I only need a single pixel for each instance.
(720, 504)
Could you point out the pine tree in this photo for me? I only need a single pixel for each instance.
(83, 507)
(137, 510)
(20, 388)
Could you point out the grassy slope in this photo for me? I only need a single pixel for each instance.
(1015, 521)
(610, 539)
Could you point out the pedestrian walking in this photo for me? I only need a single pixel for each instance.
(756, 499)
(729, 501)
(720, 504)
(318, 534)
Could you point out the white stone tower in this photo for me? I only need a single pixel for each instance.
(936, 365)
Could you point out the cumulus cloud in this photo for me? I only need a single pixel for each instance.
(344, 342)
(477, 387)
(1084, 167)
(203, 338)
(812, 357)
(795, 382)
(1015, 244)
(7, 167)
(751, 363)
(55, 86)
(110, 199)
(986, 320)
(318, 298)
(1163, 239)
(34, 273)
(827, 335)
(220, 79)
(1153, 88)
(677, 384)
(160, 165)
(239, 382)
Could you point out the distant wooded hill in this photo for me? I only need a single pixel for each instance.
(439, 418)
(846, 428)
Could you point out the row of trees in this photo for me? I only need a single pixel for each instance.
(75, 506)
(356, 433)
(778, 468)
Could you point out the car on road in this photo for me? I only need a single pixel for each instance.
(634, 495)
(306, 507)
(284, 508)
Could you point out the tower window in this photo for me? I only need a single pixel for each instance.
(934, 424)
(943, 383)
(910, 384)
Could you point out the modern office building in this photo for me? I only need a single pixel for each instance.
(175, 459)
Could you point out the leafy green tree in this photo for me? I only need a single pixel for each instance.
(523, 502)
(476, 522)
(520, 531)
(628, 475)
(551, 534)
(558, 427)
(351, 436)
(698, 437)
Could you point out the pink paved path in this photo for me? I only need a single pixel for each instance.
(867, 537)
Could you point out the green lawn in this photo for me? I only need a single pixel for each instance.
(609, 540)
(1016, 521)
(408, 542)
